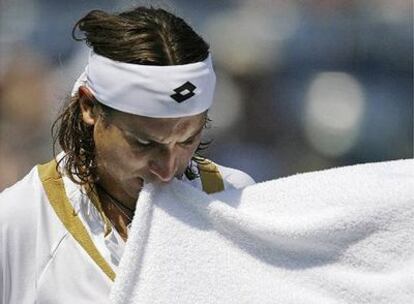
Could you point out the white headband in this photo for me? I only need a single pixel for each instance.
(149, 90)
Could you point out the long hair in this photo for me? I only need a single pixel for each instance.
(144, 35)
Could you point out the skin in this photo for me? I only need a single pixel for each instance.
(131, 149)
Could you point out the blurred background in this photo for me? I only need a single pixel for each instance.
(302, 85)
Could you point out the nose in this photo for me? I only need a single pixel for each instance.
(164, 165)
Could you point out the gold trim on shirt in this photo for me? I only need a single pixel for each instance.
(211, 178)
(52, 181)
(55, 191)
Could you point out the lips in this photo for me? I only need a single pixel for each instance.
(139, 182)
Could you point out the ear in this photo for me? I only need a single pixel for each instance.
(87, 106)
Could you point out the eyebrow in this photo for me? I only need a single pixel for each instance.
(149, 138)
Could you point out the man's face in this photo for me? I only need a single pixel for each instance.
(132, 148)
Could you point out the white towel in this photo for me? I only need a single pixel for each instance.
(344, 235)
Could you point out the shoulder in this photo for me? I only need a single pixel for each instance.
(24, 238)
(234, 178)
(228, 177)
(16, 202)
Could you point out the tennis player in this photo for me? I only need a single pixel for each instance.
(136, 115)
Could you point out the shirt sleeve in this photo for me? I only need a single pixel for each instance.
(234, 178)
(18, 218)
(3, 279)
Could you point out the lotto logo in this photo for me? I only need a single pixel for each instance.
(184, 92)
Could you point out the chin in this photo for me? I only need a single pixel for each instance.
(134, 185)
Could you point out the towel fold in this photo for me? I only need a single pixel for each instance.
(343, 235)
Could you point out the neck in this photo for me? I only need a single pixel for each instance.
(122, 206)
(119, 214)
(116, 203)
(115, 190)
(118, 195)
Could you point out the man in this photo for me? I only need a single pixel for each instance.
(135, 116)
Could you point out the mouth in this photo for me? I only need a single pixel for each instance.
(138, 183)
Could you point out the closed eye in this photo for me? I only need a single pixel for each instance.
(143, 143)
(187, 142)
(191, 140)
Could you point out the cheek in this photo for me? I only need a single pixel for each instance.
(122, 164)
(192, 151)
(186, 155)
(114, 154)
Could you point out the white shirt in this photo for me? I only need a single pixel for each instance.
(41, 261)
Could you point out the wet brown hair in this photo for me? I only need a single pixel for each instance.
(143, 35)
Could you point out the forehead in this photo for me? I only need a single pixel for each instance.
(159, 128)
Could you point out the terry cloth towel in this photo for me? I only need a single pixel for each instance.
(343, 235)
